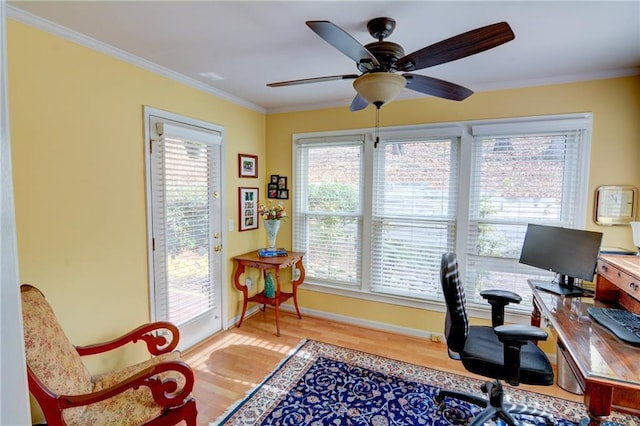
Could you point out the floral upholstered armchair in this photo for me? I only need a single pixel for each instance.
(153, 392)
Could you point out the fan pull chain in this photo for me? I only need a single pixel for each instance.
(377, 132)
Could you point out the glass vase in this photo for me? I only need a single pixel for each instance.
(273, 226)
(269, 286)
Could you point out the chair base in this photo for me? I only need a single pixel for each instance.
(494, 407)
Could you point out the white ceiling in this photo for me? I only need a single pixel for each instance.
(249, 44)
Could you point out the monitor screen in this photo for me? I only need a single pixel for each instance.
(569, 252)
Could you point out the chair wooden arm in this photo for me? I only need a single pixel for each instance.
(156, 344)
(163, 391)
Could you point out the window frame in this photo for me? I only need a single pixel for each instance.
(466, 131)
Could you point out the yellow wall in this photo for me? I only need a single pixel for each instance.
(615, 155)
(77, 140)
(77, 136)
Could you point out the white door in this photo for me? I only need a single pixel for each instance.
(184, 163)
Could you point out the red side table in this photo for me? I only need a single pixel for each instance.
(252, 260)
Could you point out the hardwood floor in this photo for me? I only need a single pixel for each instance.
(233, 362)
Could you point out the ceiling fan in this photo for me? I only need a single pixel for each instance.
(380, 61)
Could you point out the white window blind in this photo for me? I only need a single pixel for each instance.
(377, 220)
(328, 212)
(414, 214)
(519, 178)
(182, 165)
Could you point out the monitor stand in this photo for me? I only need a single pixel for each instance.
(561, 290)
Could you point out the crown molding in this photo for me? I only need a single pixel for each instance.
(26, 18)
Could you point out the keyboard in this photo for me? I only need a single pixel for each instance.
(623, 324)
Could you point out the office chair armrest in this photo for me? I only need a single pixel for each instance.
(498, 299)
(516, 333)
(514, 337)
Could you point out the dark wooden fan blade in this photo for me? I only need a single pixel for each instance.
(313, 80)
(358, 103)
(435, 87)
(457, 47)
(343, 41)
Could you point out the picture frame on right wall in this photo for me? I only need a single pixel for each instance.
(615, 204)
(272, 190)
(282, 182)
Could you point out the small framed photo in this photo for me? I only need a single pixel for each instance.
(282, 182)
(247, 165)
(247, 209)
(283, 194)
(274, 179)
(272, 190)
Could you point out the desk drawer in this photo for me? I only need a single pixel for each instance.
(625, 282)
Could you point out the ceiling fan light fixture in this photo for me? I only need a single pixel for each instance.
(379, 88)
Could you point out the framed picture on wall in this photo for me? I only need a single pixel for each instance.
(247, 209)
(615, 204)
(283, 194)
(282, 182)
(272, 190)
(247, 165)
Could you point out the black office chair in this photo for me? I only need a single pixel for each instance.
(501, 352)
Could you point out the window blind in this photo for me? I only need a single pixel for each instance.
(328, 207)
(182, 165)
(468, 187)
(413, 214)
(516, 179)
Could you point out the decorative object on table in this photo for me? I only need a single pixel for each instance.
(265, 252)
(247, 209)
(375, 389)
(269, 286)
(272, 216)
(247, 165)
(273, 226)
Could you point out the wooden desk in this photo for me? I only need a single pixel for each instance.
(252, 260)
(606, 368)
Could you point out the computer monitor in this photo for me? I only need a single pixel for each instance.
(570, 253)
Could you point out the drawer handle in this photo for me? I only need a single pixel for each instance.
(633, 286)
(604, 268)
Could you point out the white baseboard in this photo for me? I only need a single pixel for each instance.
(376, 325)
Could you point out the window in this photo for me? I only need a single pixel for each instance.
(413, 215)
(375, 221)
(328, 213)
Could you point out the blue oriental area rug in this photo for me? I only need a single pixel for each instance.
(322, 384)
